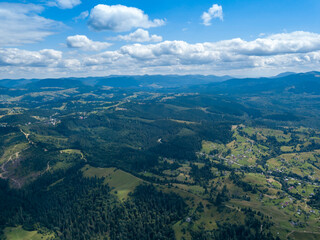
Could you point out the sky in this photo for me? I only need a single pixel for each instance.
(79, 38)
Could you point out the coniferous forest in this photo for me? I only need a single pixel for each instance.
(134, 162)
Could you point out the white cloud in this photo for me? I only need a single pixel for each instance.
(139, 35)
(298, 51)
(234, 52)
(82, 16)
(21, 23)
(214, 12)
(84, 43)
(284, 43)
(120, 18)
(65, 4)
(23, 58)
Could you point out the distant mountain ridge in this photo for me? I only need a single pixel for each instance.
(285, 82)
(284, 74)
(295, 83)
(149, 81)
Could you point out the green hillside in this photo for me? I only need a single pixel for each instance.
(96, 162)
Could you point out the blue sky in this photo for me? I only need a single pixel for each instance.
(62, 38)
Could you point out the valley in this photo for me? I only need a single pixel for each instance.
(193, 162)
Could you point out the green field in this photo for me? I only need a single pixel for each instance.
(121, 183)
(231, 159)
(17, 233)
(295, 235)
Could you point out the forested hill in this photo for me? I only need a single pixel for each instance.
(290, 97)
(308, 83)
(160, 157)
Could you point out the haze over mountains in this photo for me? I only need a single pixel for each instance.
(152, 81)
(292, 96)
(298, 82)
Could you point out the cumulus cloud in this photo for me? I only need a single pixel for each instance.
(278, 50)
(65, 4)
(84, 43)
(182, 52)
(21, 23)
(299, 51)
(120, 18)
(23, 58)
(214, 12)
(284, 43)
(139, 35)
